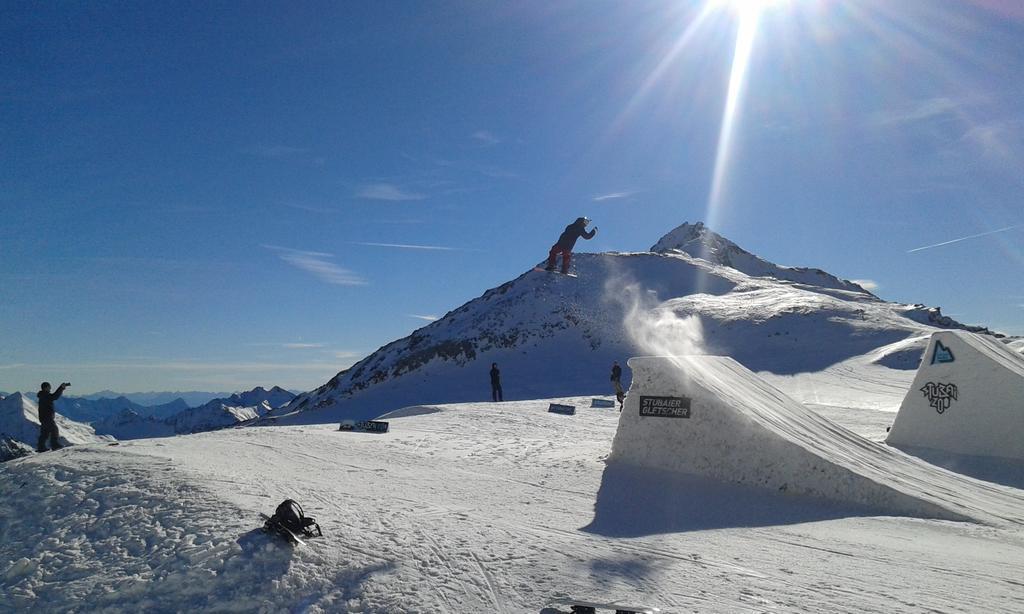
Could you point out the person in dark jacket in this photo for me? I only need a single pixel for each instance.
(616, 378)
(495, 382)
(47, 422)
(567, 241)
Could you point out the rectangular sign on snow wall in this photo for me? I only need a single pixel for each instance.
(665, 407)
(373, 426)
(557, 408)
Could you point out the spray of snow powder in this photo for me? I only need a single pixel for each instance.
(652, 326)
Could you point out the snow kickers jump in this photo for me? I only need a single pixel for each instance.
(366, 426)
(289, 522)
(589, 607)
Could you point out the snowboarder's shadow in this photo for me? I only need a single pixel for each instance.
(633, 502)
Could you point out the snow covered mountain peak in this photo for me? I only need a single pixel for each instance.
(694, 239)
(699, 241)
(13, 399)
(556, 336)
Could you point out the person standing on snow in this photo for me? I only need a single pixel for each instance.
(47, 416)
(567, 241)
(616, 378)
(495, 382)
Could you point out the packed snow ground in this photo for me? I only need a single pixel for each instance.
(477, 507)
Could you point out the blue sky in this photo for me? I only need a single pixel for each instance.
(221, 195)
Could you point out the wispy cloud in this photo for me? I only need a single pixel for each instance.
(997, 139)
(923, 110)
(485, 136)
(346, 354)
(428, 318)
(387, 191)
(406, 246)
(974, 236)
(287, 345)
(275, 151)
(319, 264)
(868, 284)
(614, 196)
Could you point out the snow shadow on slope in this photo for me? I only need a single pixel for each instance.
(1005, 471)
(634, 502)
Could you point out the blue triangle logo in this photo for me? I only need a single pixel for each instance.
(942, 354)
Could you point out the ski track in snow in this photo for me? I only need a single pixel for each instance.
(473, 508)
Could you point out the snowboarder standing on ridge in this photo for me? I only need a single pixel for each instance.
(47, 415)
(616, 378)
(495, 383)
(567, 241)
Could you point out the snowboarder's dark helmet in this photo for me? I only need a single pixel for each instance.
(583, 220)
(44, 386)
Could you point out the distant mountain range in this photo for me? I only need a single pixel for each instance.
(82, 420)
(129, 423)
(693, 292)
(149, 399)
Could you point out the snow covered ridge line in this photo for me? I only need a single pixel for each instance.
(769, 318)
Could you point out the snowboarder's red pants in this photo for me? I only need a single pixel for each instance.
(566, 257)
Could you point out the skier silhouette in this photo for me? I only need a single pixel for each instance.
(616, 378)
(496, 383)
(567, 241)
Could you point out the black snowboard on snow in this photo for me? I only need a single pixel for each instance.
(589, 607)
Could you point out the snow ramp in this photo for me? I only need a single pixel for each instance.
(709, 416)
(967, 398)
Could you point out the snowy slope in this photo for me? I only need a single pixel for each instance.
(553, 335)
(466, 508)
(19, 420)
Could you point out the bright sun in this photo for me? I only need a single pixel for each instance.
(750, 8)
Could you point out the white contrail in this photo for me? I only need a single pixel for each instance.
(407, 246)
(980, 234)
